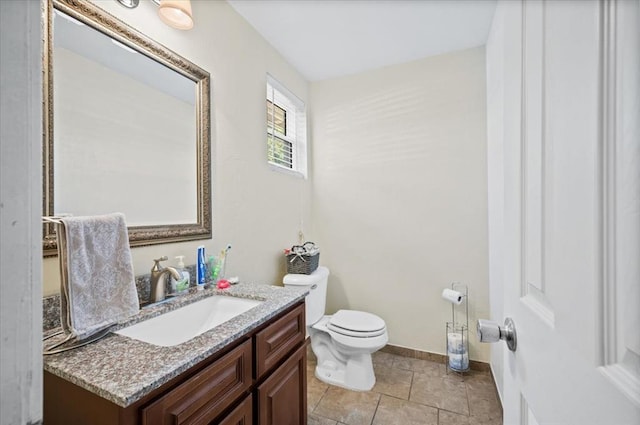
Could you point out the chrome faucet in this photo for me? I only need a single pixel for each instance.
(159, 280)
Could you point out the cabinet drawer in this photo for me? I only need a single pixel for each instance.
(205, 395)
(278, 339)
(282, 397)
(241, 415)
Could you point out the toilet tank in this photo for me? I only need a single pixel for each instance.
(316, 283)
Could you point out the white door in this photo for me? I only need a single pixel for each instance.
(564, 112)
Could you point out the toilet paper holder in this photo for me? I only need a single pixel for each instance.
(490, 331)
(457, 330)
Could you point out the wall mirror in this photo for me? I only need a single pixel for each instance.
(126, 128)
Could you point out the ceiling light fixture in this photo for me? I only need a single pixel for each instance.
(176, 13)
(129, 4)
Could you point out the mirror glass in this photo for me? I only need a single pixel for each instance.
(124, 130)
(128, 129)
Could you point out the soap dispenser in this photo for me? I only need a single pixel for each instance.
(182, 285)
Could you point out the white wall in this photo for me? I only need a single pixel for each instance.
(255, 209)
(20, 211)
(400, 193)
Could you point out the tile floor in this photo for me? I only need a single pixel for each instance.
(408, 391)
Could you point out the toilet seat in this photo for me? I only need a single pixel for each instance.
(352, 324)
(354, 334)
(356, 324)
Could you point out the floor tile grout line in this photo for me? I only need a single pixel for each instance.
(320, 399)
(466, 391)
(411, 386)
(376, 411)
(451, 411)
(324, 417)
(397, 397)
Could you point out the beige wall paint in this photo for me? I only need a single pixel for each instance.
(255, 209)
(400, 193)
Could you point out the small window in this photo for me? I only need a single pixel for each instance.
(286, 129)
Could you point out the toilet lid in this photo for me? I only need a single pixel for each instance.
(356, 323)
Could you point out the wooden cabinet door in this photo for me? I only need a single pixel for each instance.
(282, 397)
(241, 415)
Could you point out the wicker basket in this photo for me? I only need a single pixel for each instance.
(302, 263)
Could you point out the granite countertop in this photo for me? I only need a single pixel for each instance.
(123, 370)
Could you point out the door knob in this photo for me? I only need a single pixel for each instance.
(490, 331)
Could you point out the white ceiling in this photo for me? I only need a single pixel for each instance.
(332, 38)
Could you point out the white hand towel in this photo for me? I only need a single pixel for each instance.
(97, 281)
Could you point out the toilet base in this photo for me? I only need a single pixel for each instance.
(358, 376)
(347, 366)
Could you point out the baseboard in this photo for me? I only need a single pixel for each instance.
(434, 357)
(495, 386)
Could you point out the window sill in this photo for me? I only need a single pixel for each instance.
(287, 171)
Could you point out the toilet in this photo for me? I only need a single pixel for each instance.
(343, 342)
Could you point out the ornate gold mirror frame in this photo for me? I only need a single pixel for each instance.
(100, 20)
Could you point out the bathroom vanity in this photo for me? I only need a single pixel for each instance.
(249, 370)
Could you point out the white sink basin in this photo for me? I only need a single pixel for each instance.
(185, 323)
